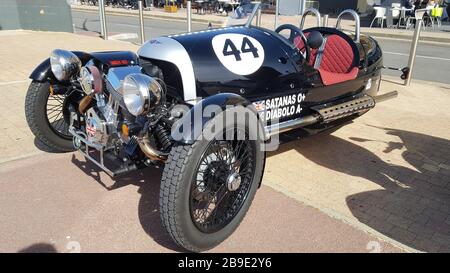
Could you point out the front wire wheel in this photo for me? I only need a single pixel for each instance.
(207, 187)
(57, 118)
(48, 118)
(223, 180)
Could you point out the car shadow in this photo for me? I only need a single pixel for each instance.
(414, 205)
(147, 181)
(39, 248)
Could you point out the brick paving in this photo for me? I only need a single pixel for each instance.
(387, 173)
(388, 170)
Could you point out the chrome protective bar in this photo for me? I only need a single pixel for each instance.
(357, 22)
(311, 11)
(79, 139)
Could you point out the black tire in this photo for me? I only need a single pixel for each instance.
(36, 114)
(179, 175)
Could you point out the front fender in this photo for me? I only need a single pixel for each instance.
(196, 120)
(43, 72)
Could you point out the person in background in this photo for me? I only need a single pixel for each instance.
(446, 6)
(420, 4)
(408, 5)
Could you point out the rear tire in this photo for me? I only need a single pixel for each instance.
(36, 114)
(179, 206)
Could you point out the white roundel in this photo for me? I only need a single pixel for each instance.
(241, 54)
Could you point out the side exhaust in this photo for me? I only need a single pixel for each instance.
(385, 97)
(329, 112)
(286, 126)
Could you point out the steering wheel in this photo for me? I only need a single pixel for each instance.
(295, 33)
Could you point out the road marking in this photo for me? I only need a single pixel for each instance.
(13, 82)
(418, 56)
(126, 25)
(124, 36)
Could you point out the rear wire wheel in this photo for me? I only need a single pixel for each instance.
(208, 186)
(48, 117)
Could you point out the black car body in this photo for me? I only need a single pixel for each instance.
(128, 108)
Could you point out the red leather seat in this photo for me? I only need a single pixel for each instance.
(337, 63)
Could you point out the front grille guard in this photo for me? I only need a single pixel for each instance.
(80, 139)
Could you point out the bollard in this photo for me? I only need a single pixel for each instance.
(325, 21)
(188, 16)
(101, 9)
(412, 53)
(141, 21)
(277, 11)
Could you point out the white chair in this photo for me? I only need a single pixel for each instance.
(393, 14)
(396, 10)
(402, 20)
(418, 14)
(380, 16)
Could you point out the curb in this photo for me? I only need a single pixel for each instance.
(152, 16)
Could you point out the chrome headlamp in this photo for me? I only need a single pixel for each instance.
(141, 93)
(64, 64)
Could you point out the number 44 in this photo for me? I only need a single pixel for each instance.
(247, 47)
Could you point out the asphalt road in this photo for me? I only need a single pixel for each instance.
(432, 60)
(89, 21)
(432, 63)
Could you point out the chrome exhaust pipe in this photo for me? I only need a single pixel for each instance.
(385, 97)
(149, 151)
(289, 125)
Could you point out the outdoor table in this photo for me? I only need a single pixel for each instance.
(233, 4)
(402, 16)
(222, 4)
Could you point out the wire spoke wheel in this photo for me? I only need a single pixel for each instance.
(56, 117)
(222, 182)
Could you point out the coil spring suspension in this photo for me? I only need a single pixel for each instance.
(163, 137)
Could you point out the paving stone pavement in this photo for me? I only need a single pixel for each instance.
(388, 170)
(387, 173)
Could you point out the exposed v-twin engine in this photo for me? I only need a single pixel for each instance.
(101, 121)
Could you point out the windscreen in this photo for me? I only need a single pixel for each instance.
(239, 15)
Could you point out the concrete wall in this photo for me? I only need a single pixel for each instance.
(50, 15)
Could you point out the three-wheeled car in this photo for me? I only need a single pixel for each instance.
(170, 104)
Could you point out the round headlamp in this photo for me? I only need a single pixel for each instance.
(64, 64)
(141, 93)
